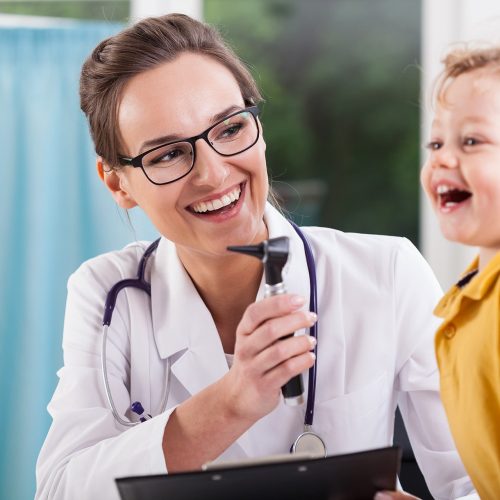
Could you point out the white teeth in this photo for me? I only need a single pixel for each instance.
(224, 201)
(443, 188)
(217, 204)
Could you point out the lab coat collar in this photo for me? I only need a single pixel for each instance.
(182, 323)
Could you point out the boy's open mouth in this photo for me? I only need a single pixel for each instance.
(450, 197)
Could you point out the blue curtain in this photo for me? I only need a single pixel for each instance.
(54, 213)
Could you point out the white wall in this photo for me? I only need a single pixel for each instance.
(13, 20)
(144, 8)
(445, 22)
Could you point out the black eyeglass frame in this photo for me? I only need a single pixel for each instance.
(136, 162)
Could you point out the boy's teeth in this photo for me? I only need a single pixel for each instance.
(225, 200)
(444, 188)
(441, 189)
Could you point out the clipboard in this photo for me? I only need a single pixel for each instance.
(354, 476)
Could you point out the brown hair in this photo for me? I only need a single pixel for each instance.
(462, 60)
(141, 47)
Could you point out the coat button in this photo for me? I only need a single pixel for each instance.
(449, 330)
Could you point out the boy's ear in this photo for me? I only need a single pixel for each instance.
(114, 182)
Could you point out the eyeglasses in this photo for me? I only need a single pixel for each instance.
(173, 161)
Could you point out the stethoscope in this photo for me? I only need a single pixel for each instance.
(308, 442)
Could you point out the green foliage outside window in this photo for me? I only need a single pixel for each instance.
(103, 10)
(341, 83)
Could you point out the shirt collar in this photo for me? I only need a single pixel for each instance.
(473, 285)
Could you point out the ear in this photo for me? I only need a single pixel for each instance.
(116, 184)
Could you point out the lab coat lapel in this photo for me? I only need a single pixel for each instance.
(182, 323)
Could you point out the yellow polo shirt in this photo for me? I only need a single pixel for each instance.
(468, 355)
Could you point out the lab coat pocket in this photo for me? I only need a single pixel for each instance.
(358, 420)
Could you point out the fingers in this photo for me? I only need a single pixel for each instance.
(271, 307)
(285, 359)
(272, 330)
(282, 373)
(283, 350)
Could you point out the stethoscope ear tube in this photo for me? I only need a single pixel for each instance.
(126, 423)
(110, 304)
(109, 307)
(139, 282)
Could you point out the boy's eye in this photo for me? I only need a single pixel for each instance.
(434, 145)
(470, 141)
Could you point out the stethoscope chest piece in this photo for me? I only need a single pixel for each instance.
(309, 443)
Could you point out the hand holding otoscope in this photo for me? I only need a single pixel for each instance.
(274, 254)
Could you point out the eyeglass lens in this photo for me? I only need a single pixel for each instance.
(229, 137)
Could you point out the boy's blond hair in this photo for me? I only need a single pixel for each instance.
(462, 60)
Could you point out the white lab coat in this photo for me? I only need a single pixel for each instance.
(375, 351)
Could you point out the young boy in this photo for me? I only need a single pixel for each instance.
(462, 180)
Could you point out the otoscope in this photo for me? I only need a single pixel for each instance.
(274, 253)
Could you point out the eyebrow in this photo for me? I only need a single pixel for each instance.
(474, 119)
(477, 119)
(164, 139)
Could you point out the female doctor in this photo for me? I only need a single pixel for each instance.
(207, 332)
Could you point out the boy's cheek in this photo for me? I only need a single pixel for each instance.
(425, 179)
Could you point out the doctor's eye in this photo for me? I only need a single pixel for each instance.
(167, 156)
(227, 131)
(231, 130)
(235, 127)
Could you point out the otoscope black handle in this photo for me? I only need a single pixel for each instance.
(274, 254)
(293, 390)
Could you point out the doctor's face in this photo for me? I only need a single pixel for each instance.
(221, 201)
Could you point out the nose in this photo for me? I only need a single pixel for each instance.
(445, 157)
(209, 169)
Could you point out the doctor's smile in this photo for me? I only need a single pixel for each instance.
(179, 352)
(224, 204)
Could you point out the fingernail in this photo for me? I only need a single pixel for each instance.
(312, 341)
(313, 357)
(313, 317)
(297, 300)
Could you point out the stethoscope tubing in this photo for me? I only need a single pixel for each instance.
(313, 331)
